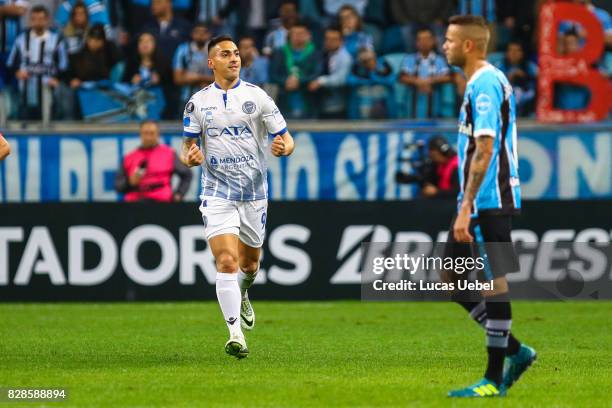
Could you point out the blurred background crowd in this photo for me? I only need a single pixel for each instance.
(357, 59)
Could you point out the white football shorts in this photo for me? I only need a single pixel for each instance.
(247, 219)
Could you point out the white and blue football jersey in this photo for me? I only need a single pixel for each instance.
(489, 109)
(234, 127)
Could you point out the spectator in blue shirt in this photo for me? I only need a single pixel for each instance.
(331, 85)
(74, 32)
(96, 13)
(254, 66)
(371, 81)
(275, 39)
(355, 39)
(39, 59)
(11, 12)
(190, 63)
(522, 75)
(425, 71)
(569, 96)
(602, 15)
(292, 68)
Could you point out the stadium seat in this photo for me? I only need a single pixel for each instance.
(117, 102)
(117, 72)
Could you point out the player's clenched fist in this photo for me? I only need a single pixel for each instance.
(278, 146)
(282, 147)
(195, 157)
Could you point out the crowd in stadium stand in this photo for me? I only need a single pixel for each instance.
(356, 59)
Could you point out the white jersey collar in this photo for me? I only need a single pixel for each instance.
(233, 87)
(479, 72)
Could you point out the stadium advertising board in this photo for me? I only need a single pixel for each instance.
(326, 166)
(313, 250)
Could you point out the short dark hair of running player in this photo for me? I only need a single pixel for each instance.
(218, 39)
(479, 31)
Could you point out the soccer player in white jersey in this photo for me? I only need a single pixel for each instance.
(233, 119)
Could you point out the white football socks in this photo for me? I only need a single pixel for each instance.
(228, 294)
(245, 280)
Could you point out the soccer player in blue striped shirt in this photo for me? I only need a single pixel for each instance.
(488, 197)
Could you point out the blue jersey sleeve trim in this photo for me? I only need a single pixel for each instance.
(191, 135)
(279, 133)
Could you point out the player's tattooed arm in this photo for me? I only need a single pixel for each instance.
(478, 169)
(283, 145)
(187, 142)
(191, 155)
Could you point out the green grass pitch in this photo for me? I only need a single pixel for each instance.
(302, 354)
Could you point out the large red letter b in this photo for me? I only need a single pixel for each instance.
(575, 68)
